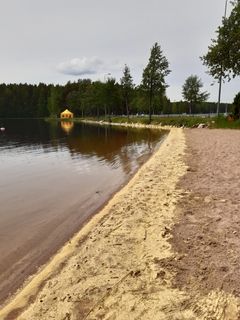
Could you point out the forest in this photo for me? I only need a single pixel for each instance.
(86, 98)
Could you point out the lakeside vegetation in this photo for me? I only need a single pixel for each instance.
(220, 122)
(87, 99)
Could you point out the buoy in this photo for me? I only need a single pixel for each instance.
(2, 129)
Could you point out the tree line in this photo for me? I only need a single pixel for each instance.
(89, 98)
(96, 98)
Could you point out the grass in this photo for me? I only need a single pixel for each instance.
(188, 122)
(182, 121)
(223, 123)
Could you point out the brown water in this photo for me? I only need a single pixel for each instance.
(53, 177)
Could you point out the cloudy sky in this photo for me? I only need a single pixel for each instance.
(54, 41)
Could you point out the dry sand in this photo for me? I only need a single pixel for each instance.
(129, 262)
(207, 235)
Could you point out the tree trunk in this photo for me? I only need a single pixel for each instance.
(98, 112)
(150, 106)
(127, 109)
(109, 114)
(105, 111)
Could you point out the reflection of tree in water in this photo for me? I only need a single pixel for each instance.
(30, 133)
(115, 145)
(132, 151)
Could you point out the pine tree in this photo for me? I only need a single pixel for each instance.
(127, 87)
(153, 79)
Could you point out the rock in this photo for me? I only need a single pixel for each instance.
(135, 273)
(188, 212)
(161, 274)
(207, 199)
(223, 200)
(201, 126)
(224, 268)
(165, 232)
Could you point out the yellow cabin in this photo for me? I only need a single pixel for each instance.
(66, 114)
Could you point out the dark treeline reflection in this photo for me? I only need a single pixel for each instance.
(104, 142)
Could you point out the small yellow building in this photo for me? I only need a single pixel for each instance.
(66, 114)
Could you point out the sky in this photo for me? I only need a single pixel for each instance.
(56, 41)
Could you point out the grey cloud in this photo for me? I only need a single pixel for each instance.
(80, 66)
(40, 39)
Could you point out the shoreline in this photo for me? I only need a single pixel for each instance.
(69, 250)
(165, 247)
(17, 266)
(130, 125)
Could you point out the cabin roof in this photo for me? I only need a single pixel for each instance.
(66, 111)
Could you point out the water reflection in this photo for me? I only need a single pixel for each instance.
(53, 179)
(117, 146)
(67, 126)
(103, 142)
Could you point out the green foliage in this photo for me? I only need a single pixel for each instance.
(97, 98)
(223, 56)
(191, 91)
(55, 101)
(181, 121)
(23, 100)
(224, 123)
(153, 78)
(127, 87)
(112, 97)
(87, 99)
(41, 100)
(188, 122)
(236, 104)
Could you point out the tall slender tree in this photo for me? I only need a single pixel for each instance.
(153, 78)
(127, 87)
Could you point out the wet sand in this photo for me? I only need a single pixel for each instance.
(165, 247)
(18, 263)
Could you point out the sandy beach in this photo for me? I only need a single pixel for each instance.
(165, 247)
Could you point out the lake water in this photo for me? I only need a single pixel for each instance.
(53, 177)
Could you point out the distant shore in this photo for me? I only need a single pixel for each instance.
(165, 121)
